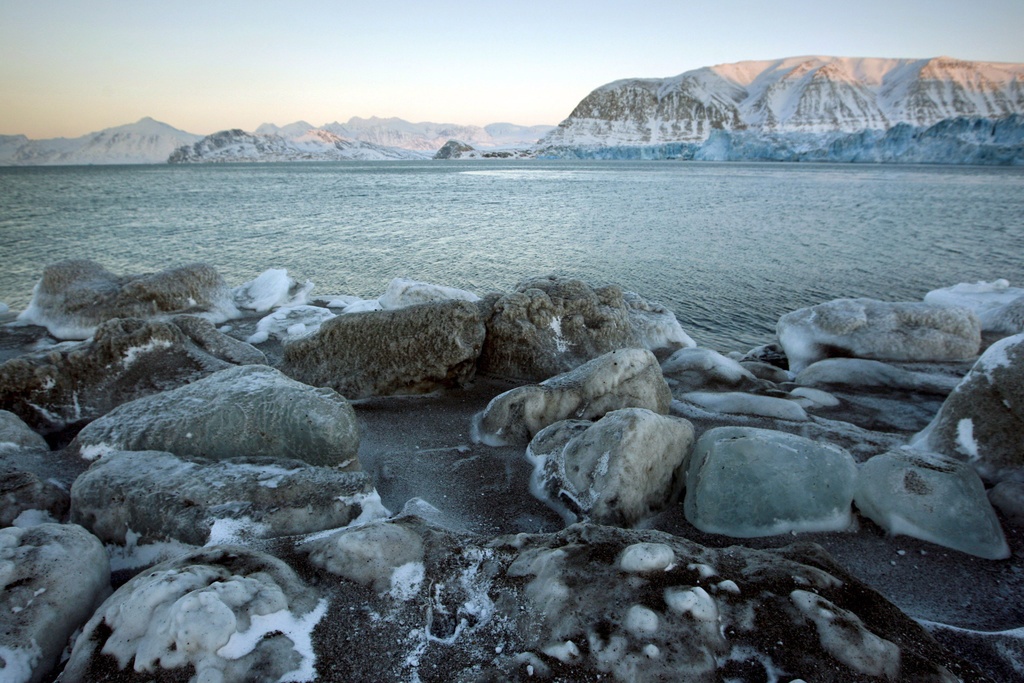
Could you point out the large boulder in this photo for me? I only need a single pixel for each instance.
(153, 496)
(551, 325)
(412, 350)
(601, 603)
(878, 330)
(747, 482)
(248, 410)
(73, 384)
(222, 613)
(982, 420)
(933, 498)
(618, 470)
(627, 378)
(74, 297)
(52, 577)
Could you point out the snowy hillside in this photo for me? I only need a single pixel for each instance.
(290, 144)
(144, 142)
(793, 96)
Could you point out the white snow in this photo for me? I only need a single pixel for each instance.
(299, 630)
(406, 580)
(132, 353)
(19, 662)
(965, 438)
(271, 289)
(694, 601)
(402, 292)
(289, 323)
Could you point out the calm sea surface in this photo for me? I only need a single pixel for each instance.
(728, 247)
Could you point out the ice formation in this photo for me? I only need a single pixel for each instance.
(271, 289)
(878, 330)
(402, 292)
(290, 323)
(618, 470)
(735, 402)
(746, 482)
(858, 372)
(627, 378)
(693, 369)
(933, 498)
(999, 307)
(372, 555)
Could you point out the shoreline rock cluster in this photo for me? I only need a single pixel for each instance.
(233, 483)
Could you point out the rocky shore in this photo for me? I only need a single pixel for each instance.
(209, 483)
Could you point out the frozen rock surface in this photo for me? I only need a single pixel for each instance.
(75, 383)
(737, 402)
(551, 325)
(75, 296)
(221, 613)
(291, 323)
(933, 498)
(999, 307)
(618, 470)
(1008, 497)
(25, 493)
(982, 421)
(746, 482)
(15, 434)
(249, 410)
(402, 292)
(273, 288)
(695, 369)
(594, 602)
(857, 372)
(412, 350)
(52, 577)
(152, 496)
(628, 378)
(878, 330)
(208, 338)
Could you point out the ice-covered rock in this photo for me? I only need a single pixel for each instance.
(618, 470)
(144, 497)
(126, 359)
(931, 497)
(15, 434)
(214, 342)
(861, 373)
(412, 350)
(601, 603)
(693, 369)
(628, 378)
(223, 613)
(999, 307)
(26, 499)
(746, 482)
(247, 410)
(75, 296)
(982, 420)
(737, 402)
(290, 323)
(878, 330)
(551, 325)
(273, 288)
(1008, 497)
(52, 577)
(402, 292)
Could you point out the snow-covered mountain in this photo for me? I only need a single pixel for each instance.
(424, 136)
(291, 143)
(779, 99)
(143, 142)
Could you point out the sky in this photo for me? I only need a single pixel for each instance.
(70, 67)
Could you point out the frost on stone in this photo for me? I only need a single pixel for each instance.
(411, 350)
(52, 577)
(861, 373)
(627, 378)
(982, 420)
(402, 292)
(550, 325)
(385, 556)
(693, 369)
(999, 307)
(747, 482)
(273, 288)
(290, 323)
(250, 410)
(223, 614)
(74, 297)
(146, 497)
(878, 330)
(933, 498)
(621, 469)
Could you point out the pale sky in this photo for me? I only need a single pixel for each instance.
(70, 67)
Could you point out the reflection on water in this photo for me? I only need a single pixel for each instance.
(729, 247)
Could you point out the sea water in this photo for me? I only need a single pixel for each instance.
(729, 247)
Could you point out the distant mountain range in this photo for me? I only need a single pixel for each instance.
(806, 108)
(939, 110)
